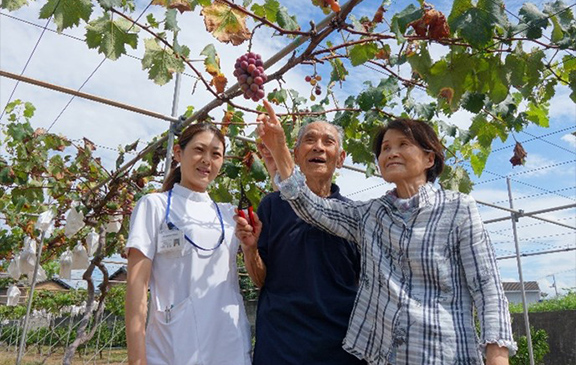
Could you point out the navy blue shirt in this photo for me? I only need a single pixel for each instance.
(309, 290)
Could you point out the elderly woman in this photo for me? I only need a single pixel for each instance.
(427, 261)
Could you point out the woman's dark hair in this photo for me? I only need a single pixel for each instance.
(175, 175)
(421, 134)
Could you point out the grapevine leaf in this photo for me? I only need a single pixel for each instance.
(66, 13)
(361, 53)
(212, 64)
(258, 169)
(161, 63)
(269, 10)
(180, 5)
(339, 72)
(572, 84)
(12, 5)
(226, 24)
(110, 36)
(456, 178)
(492, 78)
(450, 79)
(286, 21)
(473, 102)
(476, 23)
(557, 33)
(537, 114)
(401, 20)
(520, 155)
(534, 19)
(278, 96)
(109, 4)
(212, 60)
(478, 160)
(152, 21)
(420, 62)
(171, 22)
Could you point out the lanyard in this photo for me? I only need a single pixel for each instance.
(173, 226)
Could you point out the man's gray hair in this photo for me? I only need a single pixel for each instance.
(339, 130)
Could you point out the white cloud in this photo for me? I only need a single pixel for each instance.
(570, 139)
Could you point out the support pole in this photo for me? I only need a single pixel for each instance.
(173, 124)
(519, 263)
(30, 296)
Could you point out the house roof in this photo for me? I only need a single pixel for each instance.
(515, 286)
(120, 271)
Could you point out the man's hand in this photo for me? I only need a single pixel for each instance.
(247, 234)
(270, 130)
(272, 134)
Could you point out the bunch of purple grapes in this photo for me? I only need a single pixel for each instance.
(249, 71)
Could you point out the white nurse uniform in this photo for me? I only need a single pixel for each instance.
(197, 314)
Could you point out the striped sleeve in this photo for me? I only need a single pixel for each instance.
(334, 216)
(483, 279)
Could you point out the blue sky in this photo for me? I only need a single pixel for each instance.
(547, 180)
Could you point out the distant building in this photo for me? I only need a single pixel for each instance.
(119, 276)
(513, 291)
(53, 284)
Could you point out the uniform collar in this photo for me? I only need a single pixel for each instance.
(190, 194)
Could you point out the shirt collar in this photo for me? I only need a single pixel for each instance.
(426, 195)
(334, 191)
(190, 194)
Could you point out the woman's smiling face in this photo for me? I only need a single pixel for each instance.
(403, 162)
(200, 160)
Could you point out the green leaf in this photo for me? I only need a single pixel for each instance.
(401, 20)
(160, 62)
(492, 78)
(279, 95)
(537, 114)
(152, 21)
(473, 102)
(286, 21)
(110, 36)
(12, 5)
(420, 62)
(478, 160)
(534, 19)
(171, 22)
(361, 53)
(572, 84)
(66, 13)
(456, 178)
(450, 79)
(269, 10)
(338, 72)
(258, 170)
(476, 24)
(109, 4)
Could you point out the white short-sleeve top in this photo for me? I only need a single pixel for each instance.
(197, 313)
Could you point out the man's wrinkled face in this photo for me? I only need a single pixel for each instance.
(319, 153)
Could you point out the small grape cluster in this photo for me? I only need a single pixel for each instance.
(249, 72)
(316, 88)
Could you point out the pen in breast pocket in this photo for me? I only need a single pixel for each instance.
(168, 314)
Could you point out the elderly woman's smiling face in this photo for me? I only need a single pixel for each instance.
(403, 162)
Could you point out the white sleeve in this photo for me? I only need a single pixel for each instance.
(144, 225)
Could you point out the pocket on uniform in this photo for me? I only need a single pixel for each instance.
(172, 336)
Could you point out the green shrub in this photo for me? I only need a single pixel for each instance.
(566, 302)
(539, 346)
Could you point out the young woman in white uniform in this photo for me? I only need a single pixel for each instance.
(182, 246)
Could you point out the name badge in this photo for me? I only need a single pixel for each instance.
(171, 241)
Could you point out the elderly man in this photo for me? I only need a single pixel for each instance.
(308, 278)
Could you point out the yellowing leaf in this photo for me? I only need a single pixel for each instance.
(226, 24)
(212, 64)
(219, 82)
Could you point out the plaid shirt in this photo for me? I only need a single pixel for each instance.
(421, 276)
